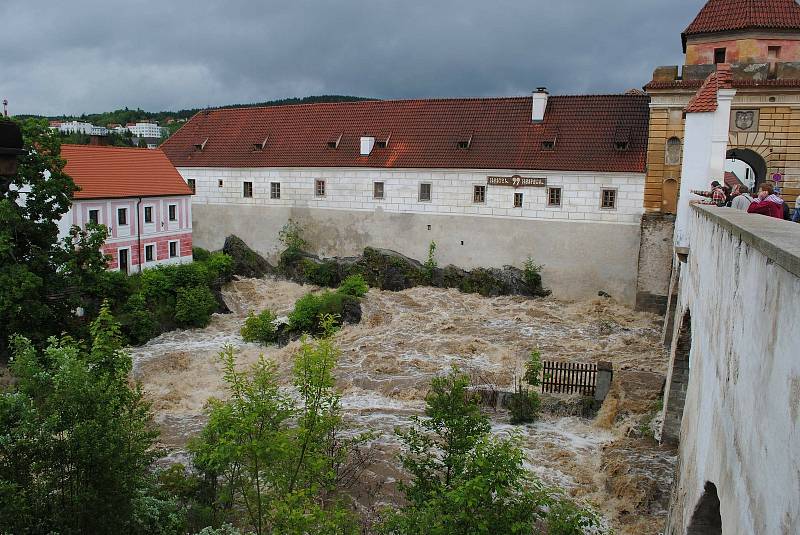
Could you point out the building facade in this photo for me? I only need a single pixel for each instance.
(139, 197)
(490, 181)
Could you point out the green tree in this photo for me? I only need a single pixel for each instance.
(465, 481)
(77, 441)
(278, 461)
(259, 328)
(41, 279)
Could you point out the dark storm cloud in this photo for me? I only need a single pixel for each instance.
(85, 56)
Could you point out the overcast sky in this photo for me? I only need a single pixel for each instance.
(81, 56)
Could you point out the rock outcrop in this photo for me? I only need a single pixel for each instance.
(246, 262)
(390, 270)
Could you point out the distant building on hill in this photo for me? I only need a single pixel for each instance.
(139, 196)
(146, 130)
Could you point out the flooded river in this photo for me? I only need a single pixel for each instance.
(406, 338)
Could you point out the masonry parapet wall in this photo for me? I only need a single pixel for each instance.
(734, 381)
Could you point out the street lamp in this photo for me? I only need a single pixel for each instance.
(10, 147)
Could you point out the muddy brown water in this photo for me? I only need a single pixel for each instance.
(407, 338)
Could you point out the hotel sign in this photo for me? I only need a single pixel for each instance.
(516, 181)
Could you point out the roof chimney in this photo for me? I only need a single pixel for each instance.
(539, 104)
(367, 143)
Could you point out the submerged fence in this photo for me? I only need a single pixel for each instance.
(569, 377)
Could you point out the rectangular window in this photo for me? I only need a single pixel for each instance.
(148, 214)
(608, 200)
(94, 216)
(773, 53)
(424, 192)
(219, 183)
(122, 216)
(173, 249)
(173, 212)
(149, 253)
(247, 190)
(319, 188)
(274, 190)
(377, 190)
(518, 200)
(479, 194)
(553, 196)
(192, 185)
(719, 55)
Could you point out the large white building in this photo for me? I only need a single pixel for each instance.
(147, 130)
(490, 180)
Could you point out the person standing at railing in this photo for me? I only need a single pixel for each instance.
(796, 215)
(768, 203)
(716, 195)
(743, 199)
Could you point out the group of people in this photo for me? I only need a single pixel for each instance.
(767, 202)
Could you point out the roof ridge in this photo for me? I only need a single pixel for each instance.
(106, 147)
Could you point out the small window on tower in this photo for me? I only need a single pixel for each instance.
(719, 55)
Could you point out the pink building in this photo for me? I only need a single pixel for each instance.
(139, 196)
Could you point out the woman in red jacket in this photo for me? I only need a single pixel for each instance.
(768, 203)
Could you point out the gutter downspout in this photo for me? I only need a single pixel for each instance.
(139, 231)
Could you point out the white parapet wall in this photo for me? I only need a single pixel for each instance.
(738, 320)
(584, 247)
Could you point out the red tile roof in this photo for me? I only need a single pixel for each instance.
(732, 180)
(112, 172)
(727, 15)
(734, 83)
(422, 134)
(705, 100)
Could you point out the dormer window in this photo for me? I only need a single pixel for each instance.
(200, 146)
(548, 145)
(621, 145)
(258, 147)
(381, 142)
(548, 139)
(622, 138)
(464, 141)
(333, 143)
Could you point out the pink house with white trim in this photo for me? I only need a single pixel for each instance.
(139, 196)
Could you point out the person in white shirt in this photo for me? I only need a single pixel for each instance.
(743, 199)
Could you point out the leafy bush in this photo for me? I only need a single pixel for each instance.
(309, 309)
(220, 268)
(188, 275)
(354, 285)
(532, 274)
(137, 321)
(157, 283)
(291, 236)
(533, 369)
(430, 265)
(193, 306)
(259, 328)
(524, 406)
(200, 255)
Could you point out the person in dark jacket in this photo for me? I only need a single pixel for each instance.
(768, 203)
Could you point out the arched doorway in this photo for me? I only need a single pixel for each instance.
(745, 161)
(706, 519)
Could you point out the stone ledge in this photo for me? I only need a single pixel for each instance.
(777, 239)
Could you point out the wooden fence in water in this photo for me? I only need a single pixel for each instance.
(569, 377)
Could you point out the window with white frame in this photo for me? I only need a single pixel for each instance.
(608, 199)
(94, 216)
(319, 188)
(377, 190)
(517, 199)
(148, 214)
(122, 216)
(174, 251)
(274, 190)
(173, 212)
(479, 194)
(553, 196)
(149, 253)
(425, 192)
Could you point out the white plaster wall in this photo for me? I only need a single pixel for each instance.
(741, 422)
(451, 191)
